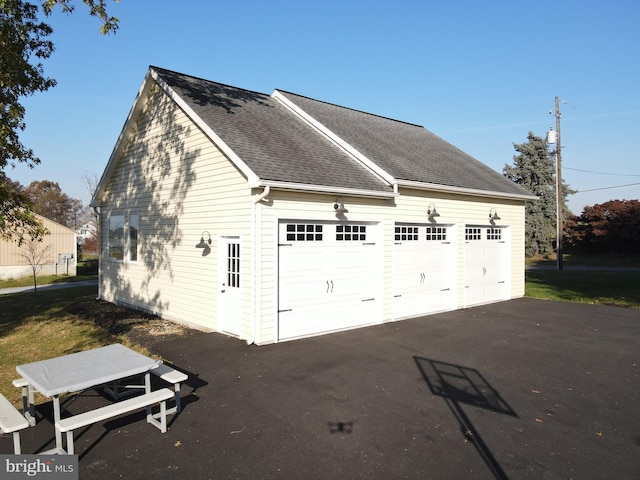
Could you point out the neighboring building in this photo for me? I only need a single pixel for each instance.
(59, 249)
(86, 232)
(274, 217)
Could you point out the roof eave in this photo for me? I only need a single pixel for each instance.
(464, 191)
(301, 187)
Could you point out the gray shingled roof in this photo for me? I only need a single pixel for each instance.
(406, 151)
(279, 146)
(274, 143)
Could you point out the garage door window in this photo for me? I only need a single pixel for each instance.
(351, 233)
(406, 234)
(304, 232)
(472, 233)
(436, 233)
(494, 234)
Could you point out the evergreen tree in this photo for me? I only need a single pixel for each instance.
(534, 169)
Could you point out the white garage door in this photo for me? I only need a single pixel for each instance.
(487, 256)
(329, 277)
(424, 270)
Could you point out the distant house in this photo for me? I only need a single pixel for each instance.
(59, 248)
(275, 217)
(85, 232)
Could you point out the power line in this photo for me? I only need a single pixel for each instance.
(607, 188)
(603, 173)
(599, 155)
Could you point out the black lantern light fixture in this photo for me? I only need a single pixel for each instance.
(338, 206)
(431, 211)
(204, 243)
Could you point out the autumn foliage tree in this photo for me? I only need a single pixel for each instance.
(48, 200)
(610, 227)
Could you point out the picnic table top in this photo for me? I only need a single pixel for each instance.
(82, 370)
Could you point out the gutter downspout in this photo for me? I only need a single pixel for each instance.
(263, 195)
(96, 212)
(254, 227)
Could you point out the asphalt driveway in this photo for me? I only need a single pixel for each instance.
(521, 389)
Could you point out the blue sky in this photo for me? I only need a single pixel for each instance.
(481, 75)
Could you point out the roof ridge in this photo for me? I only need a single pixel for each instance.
(226, 85)
(352, 109)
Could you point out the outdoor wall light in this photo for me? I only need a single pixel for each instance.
(493, 215)
(339, 207)
(431, 211)
(204, 243)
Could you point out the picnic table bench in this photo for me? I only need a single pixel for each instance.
(28, 407)
(69, 424)
(173, 376)
(12, 421)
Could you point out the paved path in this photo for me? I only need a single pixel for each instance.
(51, 286)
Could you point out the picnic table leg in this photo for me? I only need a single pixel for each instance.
(147, 389)
(56, 419)
(31, 414)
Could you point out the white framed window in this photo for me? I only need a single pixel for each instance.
(116, 237)
(124, 237)
(494, 234)
(436, 233)
(472, 233)
(406, 233)
(134, 234)
(350, 233)
(304, 232)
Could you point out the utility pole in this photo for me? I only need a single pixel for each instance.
(559, 195)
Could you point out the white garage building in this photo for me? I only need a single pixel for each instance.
(275, 217)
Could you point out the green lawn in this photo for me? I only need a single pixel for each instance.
(86, 270)
(53, 323)
(605, 287)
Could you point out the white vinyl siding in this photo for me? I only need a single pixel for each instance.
(181, 185)
(155, 177)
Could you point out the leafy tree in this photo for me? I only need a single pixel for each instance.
(48, 200)
(610, 227)
(24, 43)
(534, 169)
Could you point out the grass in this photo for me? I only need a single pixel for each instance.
(86, 270)
(606, 279)
(587, 260)
(603, 287)
(54, 323)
